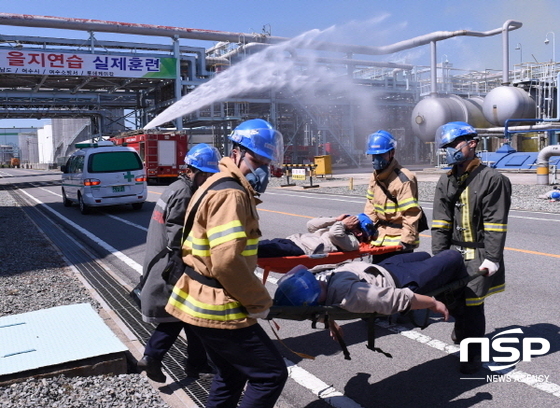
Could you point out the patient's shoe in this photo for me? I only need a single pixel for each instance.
(152, 368)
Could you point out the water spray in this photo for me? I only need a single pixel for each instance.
(274, 68)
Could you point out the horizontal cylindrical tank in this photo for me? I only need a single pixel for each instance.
(508, 102)
(476, 117)
(432, 112)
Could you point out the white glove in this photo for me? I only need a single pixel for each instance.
(491, 267)
(259, 315)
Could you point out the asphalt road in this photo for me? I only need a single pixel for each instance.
(423, 369)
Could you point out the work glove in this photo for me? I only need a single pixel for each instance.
(491, 267)
(259, 315)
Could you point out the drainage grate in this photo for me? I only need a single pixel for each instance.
(112, 293)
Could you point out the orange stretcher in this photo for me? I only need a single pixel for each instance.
(286, 263)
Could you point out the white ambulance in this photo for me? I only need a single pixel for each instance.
(102, 174)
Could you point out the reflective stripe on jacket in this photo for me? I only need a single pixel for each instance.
(222, 245)
(390, 215)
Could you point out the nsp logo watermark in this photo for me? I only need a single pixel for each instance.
(500, 343)
(520, 377)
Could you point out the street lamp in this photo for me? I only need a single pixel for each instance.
(519, 48)
(546, 41)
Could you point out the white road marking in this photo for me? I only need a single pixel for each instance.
(130, 262)
(518, 375)
(108, 215)
(319, 388)
(303, 377)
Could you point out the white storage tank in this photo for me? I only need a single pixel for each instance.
(432, 112)
(508, 102)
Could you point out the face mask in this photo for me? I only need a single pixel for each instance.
(454, 156)
(258, 178)
(379, 163)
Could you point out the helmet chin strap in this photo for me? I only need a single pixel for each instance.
(241, 156)
(249, 165)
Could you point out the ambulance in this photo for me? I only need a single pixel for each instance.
(102, 174)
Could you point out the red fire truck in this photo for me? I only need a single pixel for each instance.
(163, 153)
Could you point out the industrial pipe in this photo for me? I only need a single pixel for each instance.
(505, 49)
(517, 129)
(542, 163)
(414, 42)
(28, 20)
(432, 38)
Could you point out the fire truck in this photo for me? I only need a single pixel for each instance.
(163, 154)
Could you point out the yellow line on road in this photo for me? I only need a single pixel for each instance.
(526, 251)
(285, 213)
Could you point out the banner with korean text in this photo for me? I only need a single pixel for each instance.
(91, 65)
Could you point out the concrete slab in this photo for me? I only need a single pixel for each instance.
(32, 342)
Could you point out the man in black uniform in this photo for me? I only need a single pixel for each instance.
(471, 206)
(165, 232)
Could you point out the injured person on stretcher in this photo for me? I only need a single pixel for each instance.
(393, 285)
(325, 235)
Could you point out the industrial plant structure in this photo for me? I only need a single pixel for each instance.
(122, 86)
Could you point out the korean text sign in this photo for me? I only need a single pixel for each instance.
(91, 65)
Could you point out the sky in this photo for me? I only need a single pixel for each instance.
(358, 22)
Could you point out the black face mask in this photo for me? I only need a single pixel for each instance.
(379, 163)
(258, 178)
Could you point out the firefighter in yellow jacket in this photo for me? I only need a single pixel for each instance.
(392, 195)
(220, 296)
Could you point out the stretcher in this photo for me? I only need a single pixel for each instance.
(285, 264)
(327, 313)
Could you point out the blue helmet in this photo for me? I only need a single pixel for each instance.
(447, 133)
(298, 289)
(380, 142)
(258, 136)
(204, 158)
(366, 224)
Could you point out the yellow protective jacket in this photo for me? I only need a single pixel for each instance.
(395, 222)
(222, 244)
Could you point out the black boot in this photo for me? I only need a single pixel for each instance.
(472, 366)
(474, 363)
(205, 371)
(152, 368)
